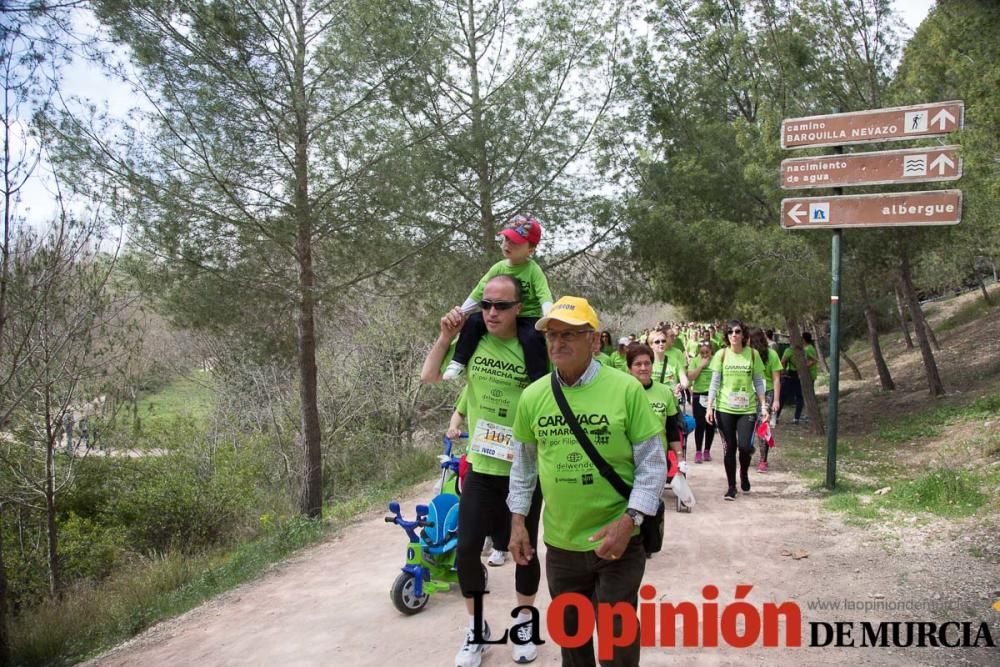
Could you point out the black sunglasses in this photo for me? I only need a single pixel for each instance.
(730, 332)
(499, 305)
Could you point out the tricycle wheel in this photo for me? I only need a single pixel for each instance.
(404, 596)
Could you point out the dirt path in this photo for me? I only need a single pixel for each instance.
(330, 604)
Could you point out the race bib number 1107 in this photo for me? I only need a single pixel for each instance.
(493, 440)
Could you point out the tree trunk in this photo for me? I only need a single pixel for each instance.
(50, 507)
(802, 367)
(982, 288)
(930, 334)
(4, 277)
(312, 493)
(4, 637)
(820, 350)
(884, 377)
(902, 320)
(854, 367)
(934, 384)
(488, 231)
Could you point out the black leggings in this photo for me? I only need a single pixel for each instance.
(703, 431)
(536, 355)
(736, 432)
(483, 511)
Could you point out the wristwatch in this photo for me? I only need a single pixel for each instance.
(636, 516)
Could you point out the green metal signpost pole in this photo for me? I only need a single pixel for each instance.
(831, 441)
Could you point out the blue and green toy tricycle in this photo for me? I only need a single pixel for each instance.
(433, 534)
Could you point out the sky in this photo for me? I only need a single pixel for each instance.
(88, 82)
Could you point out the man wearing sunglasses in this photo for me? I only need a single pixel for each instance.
(496, 377)
(591, 531)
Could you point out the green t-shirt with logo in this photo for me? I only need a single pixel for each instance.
(788, 359)
(615, 413)
(664, 404)
(736, 394)
(701, 383)
(495, 378)
(675, 363)
(534, 287)
(772, 366)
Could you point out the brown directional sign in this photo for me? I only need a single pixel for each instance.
(898, 209)
(874, 126)
(913, 165)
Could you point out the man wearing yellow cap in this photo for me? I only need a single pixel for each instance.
(590, 530)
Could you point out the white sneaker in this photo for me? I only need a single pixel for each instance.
(525, 653)
(487, 546)
(454, 370)
(497, 558)
(471, 655)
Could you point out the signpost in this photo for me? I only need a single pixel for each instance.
(912, 165)
(932, 207)
(897, 209)
(874, 126)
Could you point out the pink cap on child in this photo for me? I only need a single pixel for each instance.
(522, 229)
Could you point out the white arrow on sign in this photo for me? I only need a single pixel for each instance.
(794, 213)
(942, 117)
(940, 161)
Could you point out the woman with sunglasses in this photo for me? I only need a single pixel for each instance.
(737, 374)
(701, 378)
(668, 362)
(607, 346)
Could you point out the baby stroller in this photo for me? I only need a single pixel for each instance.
(433, 535)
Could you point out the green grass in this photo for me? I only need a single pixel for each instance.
(89, 620)
(189, 397)
(945, 492)
(974, 310)
(866, 464)
(930, 424)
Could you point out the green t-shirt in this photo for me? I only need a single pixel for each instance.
(701, 383)
(675, 363)
(462, 402)
(772, 366)
(603, 359)
(788, 360)
(534, 286)
(615, 413)
(664, 404)
(736, 394)
(692, 348)
(495, 379)
(608, 350)
(718, 338)
(619, 361)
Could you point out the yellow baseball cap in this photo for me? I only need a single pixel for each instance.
(571, 310)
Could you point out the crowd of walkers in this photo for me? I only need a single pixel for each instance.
(572, 427)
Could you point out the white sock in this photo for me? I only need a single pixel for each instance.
(523, 617)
